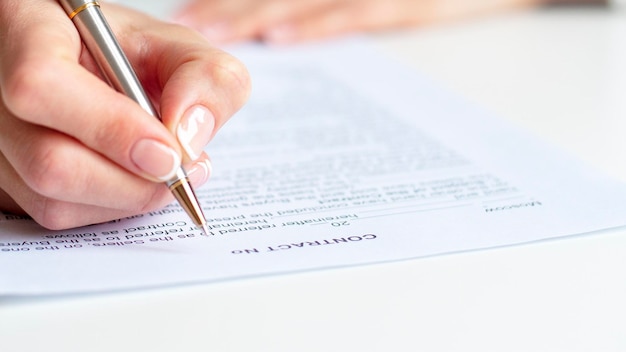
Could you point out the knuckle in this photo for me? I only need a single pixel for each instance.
(233, 74)
(24, 86)
(47, 171)
(109, 132)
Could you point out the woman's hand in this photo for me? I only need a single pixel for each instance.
(75, 152)
(286, 21)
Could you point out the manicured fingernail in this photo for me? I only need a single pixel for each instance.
(195, 130)
(280, 34)
(155, 159)
(200, 173)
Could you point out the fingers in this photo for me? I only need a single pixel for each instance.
(212, 18)
(346, 16)
(57, 166)
(48, 212)
(225, 21)
(91, 112)
(198, 87)
(35, 88)
(61, 184)
(200, 97)
(287, 21)
(201, 88)
(75, 152)
(199, 171)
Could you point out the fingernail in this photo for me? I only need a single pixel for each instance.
(195, 130)
(155, 159)
(200, 173)
(280, 34)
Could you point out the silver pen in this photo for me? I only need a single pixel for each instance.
(106, 51)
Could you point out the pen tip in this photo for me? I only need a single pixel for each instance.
(205, 229)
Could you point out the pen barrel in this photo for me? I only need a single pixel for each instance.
(106, 51)
(99, 39)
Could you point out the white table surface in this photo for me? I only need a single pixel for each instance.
(559, 73)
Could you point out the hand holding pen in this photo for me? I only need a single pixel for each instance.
(73, 150)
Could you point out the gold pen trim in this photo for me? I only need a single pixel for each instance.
(187, 199)
(83, 7)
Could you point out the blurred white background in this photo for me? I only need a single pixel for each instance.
(558, 73)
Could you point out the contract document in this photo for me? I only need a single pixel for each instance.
(341, 157)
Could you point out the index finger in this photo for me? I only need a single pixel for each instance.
(197, 87)
(45, 52)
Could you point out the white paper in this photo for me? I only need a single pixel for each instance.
(340, 158)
